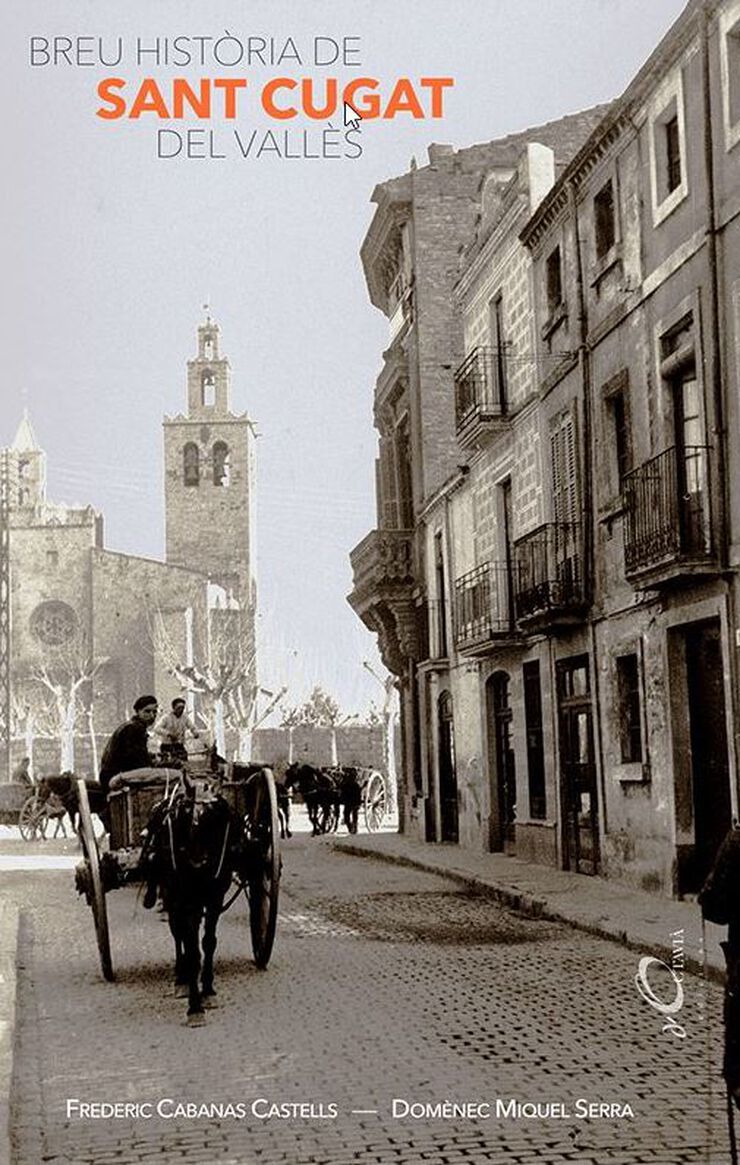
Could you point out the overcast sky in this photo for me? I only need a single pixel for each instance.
(109, 253)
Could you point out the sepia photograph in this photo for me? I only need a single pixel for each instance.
(370, 583)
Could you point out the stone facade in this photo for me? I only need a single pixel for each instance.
(91, 628)
(574, 697)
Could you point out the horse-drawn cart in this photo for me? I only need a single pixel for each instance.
(374, 799)
(246, 850)
(30, 807)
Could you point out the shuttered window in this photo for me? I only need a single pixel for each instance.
(565, 506)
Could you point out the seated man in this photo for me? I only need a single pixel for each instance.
(171, 730)
(127, 748)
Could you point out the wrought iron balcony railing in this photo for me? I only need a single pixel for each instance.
(549, 579)
(483, 604)
(480, 387)
(667, 515)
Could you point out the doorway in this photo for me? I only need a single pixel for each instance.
(710, 804)
(447, 773)
(577, 767)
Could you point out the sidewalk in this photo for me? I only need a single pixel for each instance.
(634, 918)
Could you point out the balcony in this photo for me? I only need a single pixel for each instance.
(667, 526)
(484, 607)
(549, 585)
(480, 395)
(382, 594)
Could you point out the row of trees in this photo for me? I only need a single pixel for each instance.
(55, 698)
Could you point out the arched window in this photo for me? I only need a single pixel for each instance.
(208, 390)
(220, 463)
(191, 464)
(208, 347)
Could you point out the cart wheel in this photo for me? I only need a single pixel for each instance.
(96, 893)
(29, 818)
(375, 801)
(263, 831)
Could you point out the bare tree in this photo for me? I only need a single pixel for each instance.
(221, 671)
(59, 690)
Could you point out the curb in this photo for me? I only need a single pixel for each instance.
(9, 916)
(533, 907)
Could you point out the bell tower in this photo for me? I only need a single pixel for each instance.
(209, 475)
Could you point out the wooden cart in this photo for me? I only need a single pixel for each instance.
(130, 807)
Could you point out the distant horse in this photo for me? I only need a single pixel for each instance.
(349, 791)
(193, 850)
(319, 793)
(59, 794)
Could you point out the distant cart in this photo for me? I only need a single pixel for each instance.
(29, 807)
(374, 799)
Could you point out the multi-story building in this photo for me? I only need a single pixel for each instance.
(411, 256)
(579, 697)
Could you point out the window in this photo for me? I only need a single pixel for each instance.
(220, 463)
(404, 482)
(554, 281)
(52, 559)
(53, 623)
(535, 745)
(208, 390)
(498, 349)
(439, 573)
(628, 697)
(208, 347)
(619, 436)
(730, 64)
(564, 469)
(604, 221)
(191, 464)
(672, 154)
(668, 158)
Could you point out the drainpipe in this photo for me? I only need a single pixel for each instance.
(588, 508)
(722, 494)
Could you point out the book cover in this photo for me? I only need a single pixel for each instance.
(371, 382)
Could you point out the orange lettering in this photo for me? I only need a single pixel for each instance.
(201, 106)
(269, 106)
(149, 100)
(307, 98)
(403, 99)
(367, 105)
(118, 104)
(230, 85)
(437, 86)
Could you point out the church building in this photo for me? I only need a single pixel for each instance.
(91, 628)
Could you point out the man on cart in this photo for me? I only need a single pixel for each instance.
(172, 729)
(128, 746)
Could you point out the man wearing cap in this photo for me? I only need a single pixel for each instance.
(127, 748)
(171, 729)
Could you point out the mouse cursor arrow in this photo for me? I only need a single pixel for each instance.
(351, 116)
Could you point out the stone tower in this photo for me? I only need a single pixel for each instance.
(27, 465)
(209, 477)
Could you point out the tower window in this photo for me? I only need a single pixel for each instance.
(208, 390)
(191, 464)
(208, 347)
(220, 463)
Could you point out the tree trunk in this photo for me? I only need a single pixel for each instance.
(244, 747)
(93, 743)
(67, 751)
(219, 727)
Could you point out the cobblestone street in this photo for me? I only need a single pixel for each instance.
(386, 984)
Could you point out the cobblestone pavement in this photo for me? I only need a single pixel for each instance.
(385, 983)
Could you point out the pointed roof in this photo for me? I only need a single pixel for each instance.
(25, 438)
